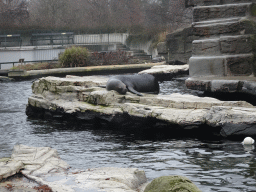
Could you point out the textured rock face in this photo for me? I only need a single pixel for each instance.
(78, 98)
(178, 46)
(10, 168)
(33, 161)
(226, 45)
(171, 184)
(38, 160)
(43, 165)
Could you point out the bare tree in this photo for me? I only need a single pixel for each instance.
(169, 14)
(13, 12)
(99, 12)
(76, 14)
(50, 13)
(127, 12)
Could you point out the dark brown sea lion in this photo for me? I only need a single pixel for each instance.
(134, 83)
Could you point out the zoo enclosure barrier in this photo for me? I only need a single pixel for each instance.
(10, 38)
(63, 38)
(37, 39)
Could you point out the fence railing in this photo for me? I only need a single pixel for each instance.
(101, 38)
(89, 39)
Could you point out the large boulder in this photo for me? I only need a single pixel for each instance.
(171, 184)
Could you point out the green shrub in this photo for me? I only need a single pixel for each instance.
(74, 57)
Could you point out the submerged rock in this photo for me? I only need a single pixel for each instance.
(171, 184)
(5, 79)
(81, 98)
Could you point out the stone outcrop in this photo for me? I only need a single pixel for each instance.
(171, 183)
(38, 160)
(10, 168)
(43, 165)
(32, 161)
(223, 84)
(223, 59)
(81, 98)
(177, 49)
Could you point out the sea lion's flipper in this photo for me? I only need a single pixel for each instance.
(102, 86)
(133, 91)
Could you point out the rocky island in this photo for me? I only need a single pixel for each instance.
(81, 98)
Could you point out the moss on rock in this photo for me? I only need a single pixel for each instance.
(248, 25)
(253, 10)
(171, 184)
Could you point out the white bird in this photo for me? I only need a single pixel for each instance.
(248, 141)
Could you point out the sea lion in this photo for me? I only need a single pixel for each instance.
(134, 83)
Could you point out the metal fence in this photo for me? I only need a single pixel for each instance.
(86, 39)
(112, 38)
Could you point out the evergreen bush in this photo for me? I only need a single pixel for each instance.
(74, 57)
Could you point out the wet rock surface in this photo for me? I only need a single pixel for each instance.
(81, 98)
(43, 166)
(5, 79)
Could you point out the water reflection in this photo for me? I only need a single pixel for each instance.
(214, 165)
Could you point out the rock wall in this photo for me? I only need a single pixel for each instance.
(177, 49)
(225, 49)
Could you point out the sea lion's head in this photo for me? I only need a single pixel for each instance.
(117, 85)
